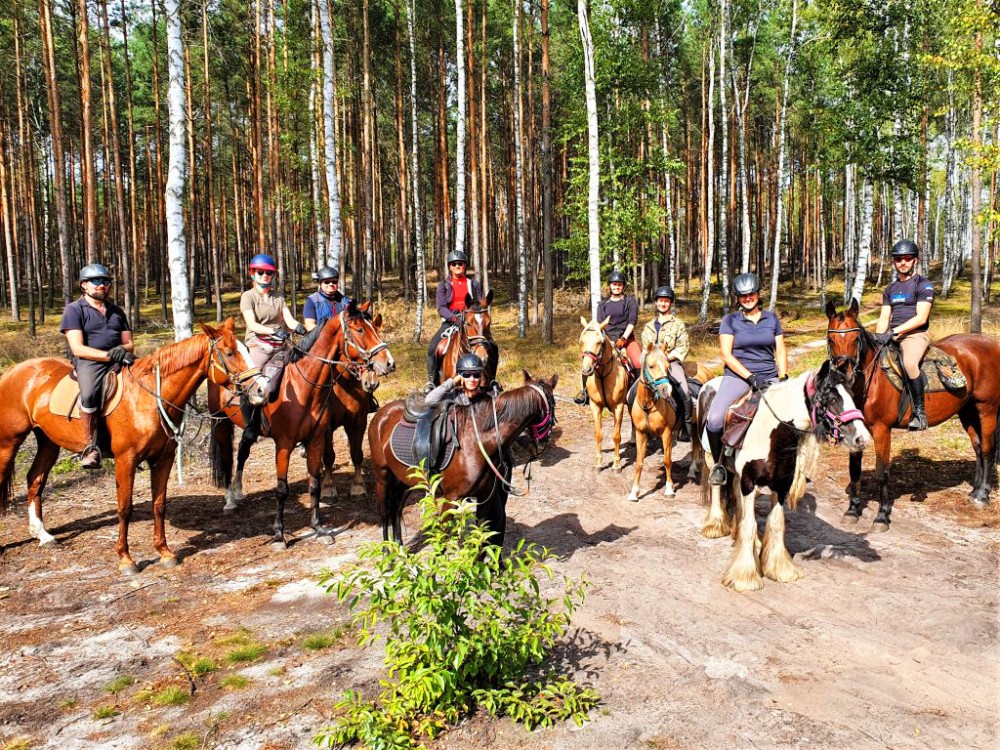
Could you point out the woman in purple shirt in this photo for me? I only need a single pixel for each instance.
(752, 346)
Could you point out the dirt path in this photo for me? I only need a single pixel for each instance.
(889, 641)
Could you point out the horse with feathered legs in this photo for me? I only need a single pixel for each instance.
(779, 451)
(301, 413)
(155, 392)
(852, 348)
(607, 383)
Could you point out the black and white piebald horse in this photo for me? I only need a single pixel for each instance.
(779, 451)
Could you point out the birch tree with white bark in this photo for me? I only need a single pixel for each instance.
(329, 131)
(460, 130)
(864, 241)
(418, 230)
(594, 183)
(706, 279)
(522, 263)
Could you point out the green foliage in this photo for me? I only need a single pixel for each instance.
(466, 628)
(118, 684)
(322, 640)
(171, 696)
(186, 741)
(245, 654)
(235, 682)
(104, 712)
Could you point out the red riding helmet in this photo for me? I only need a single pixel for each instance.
(263, 263)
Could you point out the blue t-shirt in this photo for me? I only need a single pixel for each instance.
(99, 331)
(753, 343)
(319, 306)
(903, 297)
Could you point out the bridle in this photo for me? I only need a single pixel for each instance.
(597, 357)
(857, 361)
(831, 421)
(352, 366)
(217, 361)
(646, 378)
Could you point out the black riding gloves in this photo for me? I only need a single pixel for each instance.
(118, 354)
(884, 339)
(281, 334)
(753, 382)
(300, 330)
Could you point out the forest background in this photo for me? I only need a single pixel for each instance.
(682, 142)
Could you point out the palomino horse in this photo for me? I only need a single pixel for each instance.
(300, 413)
(484, 431)
(473, 336)
(653, 414)
(607, 382)
(853, 349)
(779, 451)
(156, 389)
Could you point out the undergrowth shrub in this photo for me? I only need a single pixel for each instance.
(463, 628)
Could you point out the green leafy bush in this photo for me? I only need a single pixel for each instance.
(465, 628)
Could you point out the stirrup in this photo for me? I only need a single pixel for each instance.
(581, 399)
(718, 475)
(90, 458)
(427, 387)
(918, 423)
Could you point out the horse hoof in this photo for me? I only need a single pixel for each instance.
(980, 500)
(358, 493)
(633, 497)
(227, 511)
(849, 519)
(669, 492)
(55, 542)
(129, 570)
(880, 527)
(279, 546)
(326, 538)
(169, 562)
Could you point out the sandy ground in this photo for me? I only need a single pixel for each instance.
(889, 641)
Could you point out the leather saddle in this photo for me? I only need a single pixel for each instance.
(65, 398)
(426, 433)
(739, 418)
(445, 341)
(939, 370)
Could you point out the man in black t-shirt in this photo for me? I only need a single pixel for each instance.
(98, 337)
(906, 308)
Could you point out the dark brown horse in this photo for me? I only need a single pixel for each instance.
(155, 391)
(474, 336)
(853, 349)
(469, 474)
(301, 411)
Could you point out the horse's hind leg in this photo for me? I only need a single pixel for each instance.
(743, 573)
(853, 512)
(987, 455)
(235, 492)
(355, 436)
(314, 464)
(38, 474)
(775, 561)
(883, 452)
(329, 458)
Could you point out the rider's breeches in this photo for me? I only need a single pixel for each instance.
(678, 374)
(432, 349)
(634, 353)
(90, 376)
(261, 355)
(730, 389)
(914, 346)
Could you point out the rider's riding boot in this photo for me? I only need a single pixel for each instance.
(919, 421)
(718, 475)
(582, 398)
(432, 372)
(251, 420)
(91, 456)
(684, 412)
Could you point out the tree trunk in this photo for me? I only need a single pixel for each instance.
(976, 317)
(709, 196)
(86, 139)
(522, 267)
(594, 184)
(865, 241)
(333, 190)
(724, 161)
(547, 321)
(460, 130)
(415, 180)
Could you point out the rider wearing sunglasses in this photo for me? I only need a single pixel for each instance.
(450, 302)
(465, 387)
(98, 336)
(906, 309)
(326, 301)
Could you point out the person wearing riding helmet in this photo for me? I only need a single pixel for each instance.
(98, 336)
(327, 301)
(906, 308)
(269, 323)
(752, 347)
(450, 302)
(465, 387)
(622, 312)
(668, 332)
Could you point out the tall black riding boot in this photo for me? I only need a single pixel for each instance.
(684, 413)
(91, 456)
(718, 475)
(251, 419)
(919, 421)
(582, 398)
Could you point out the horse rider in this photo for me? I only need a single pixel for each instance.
(468, 382)
(450, 302)
(99, 337)
(668, 332)
(327, 301)
(622, 312)
(752, 346)
(269, 324)
(906, 309)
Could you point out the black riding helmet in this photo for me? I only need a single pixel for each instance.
(616, 277)
(325, 273)
(457, 256)
(94, 271)
(746, 283)
(469, 363)
(905, 247)
(664, 291)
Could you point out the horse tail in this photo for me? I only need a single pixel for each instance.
(806, 458)
(222, 453)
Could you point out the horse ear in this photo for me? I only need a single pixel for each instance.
(527, 376)
(853, 309)
(352, 308)
(553, 380)
(584, 321)
(824, 371)
(831, 309)
(489, 298)
(363, 307)
(605, 322)
(469, 301)
(212, 333)
(377, 321)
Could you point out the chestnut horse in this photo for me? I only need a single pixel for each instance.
(473, 336)
(301, 413)
(853, 349)
(470, 473)
(607, 383)
(156, 389)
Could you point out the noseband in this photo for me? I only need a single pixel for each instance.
(367, 355)
(832, 420)
(540, 432)
(217, 362)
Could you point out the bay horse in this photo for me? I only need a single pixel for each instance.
(852, 348)
(607, 382)
(484, 428)
(474, 336)
(301, 411)
(156, 389)
(779, 451)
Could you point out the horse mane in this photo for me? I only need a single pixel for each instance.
(806, 445)
(306, 342)
(514, 406)
(173, 356)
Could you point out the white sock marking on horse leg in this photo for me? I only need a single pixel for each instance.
(743, 573)
(776, 563)
(36, 528)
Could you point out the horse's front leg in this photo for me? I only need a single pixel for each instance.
(595, 411)
(668, 446)
(124, 483)
(775, 561)
(281, 456)
(314, 465)
(619, 416)
(159, 476)
(355, 436)
(38, 474)
(883, 452)
(329, 458)
(854, 489)
(234, 494)
(987, 464)
(743, 573)
(641, 442)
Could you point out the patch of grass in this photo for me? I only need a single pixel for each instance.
(118, 684)
(203, 667)
(186, 741)
(171, 696)
(251, 652)
(104, 712)
(64, 465)
(234, 682)
(18, 743)
(273, 583)
(159, 731)
(276, 671)
(239, 638)
(67, 703)
(322, 640)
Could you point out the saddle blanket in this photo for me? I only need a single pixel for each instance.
(940, 370)
(401, 443)
(65, 398)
